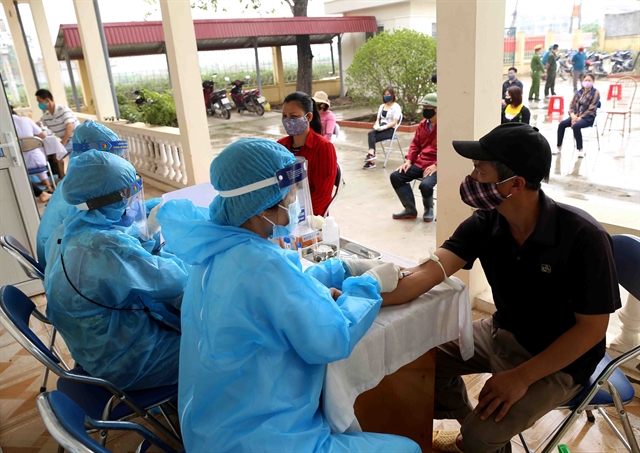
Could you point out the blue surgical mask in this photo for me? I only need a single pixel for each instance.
(511, 76)
(127, 218)
(281, 231)
(42, 106)
(387, 98)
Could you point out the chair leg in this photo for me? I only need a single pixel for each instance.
(387, 154)
(614, 428)
(45, 374)
(524, 443)
(590, 416)
(171, 425)
(624, 418)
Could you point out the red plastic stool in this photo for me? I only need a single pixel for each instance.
(552, 105)
(615, 92)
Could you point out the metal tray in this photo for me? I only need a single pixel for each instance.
(348, 249)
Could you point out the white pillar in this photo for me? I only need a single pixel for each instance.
(94, 58)
(182, 55)
(629, 317)
(470, 51)
(51, 65)
(22, 55)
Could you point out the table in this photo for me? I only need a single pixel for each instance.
(390, 373)
(52, 145)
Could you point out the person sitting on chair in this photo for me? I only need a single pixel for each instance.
(327, 118)
(388, 116)
(422, 163)
(582, 113)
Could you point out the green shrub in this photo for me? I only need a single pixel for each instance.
(159, 110)
(404, 59)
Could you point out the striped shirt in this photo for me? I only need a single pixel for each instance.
(57, 122)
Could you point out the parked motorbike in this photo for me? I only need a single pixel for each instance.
(564, 65)
(594, 65)
(216, 101)
(249, 100)
(622, 61)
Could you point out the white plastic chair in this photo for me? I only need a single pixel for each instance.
(336, 131)
(387, 152)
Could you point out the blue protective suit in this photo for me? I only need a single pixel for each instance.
(123, 344)
(257, 336)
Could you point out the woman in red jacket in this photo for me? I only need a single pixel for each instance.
(421, 163)
(301, 120)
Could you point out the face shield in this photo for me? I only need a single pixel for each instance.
(134, 217)
(118, 147)
(297, 203)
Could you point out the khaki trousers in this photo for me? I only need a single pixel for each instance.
(495, 350)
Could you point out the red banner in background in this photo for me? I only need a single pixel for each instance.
(576, 11)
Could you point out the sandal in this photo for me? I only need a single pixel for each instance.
(445, 441)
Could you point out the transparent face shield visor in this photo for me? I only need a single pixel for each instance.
(134, 217)
(295, 177)
(118, 147)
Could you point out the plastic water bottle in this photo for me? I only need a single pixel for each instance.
(331, 234)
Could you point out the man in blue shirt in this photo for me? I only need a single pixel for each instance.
(545, 57)
(578, 62)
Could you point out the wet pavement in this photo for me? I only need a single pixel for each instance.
(609, 177)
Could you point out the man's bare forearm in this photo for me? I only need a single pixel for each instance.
(575, 342)
(423, 278)
(68, 133)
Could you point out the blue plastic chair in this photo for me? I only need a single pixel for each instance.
(617, 389)
(19, 252)
(68, 424)
(98, 398)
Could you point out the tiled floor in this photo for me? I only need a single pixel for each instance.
(22, 431)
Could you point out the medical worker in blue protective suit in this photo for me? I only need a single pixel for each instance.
(89, 135)
(257, 331)
(106, 294)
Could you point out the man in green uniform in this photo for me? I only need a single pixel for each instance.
(536, 71)
(552, 67)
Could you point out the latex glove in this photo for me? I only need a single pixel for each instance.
(318, 221)
(152, 223)
(358, 267)
(387, 276)
(376, 127)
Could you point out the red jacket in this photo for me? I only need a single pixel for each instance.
(323, 168)
(424, 147)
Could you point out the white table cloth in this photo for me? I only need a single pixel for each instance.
(399, 335)
(52, 145)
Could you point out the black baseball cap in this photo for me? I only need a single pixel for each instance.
(519, 146)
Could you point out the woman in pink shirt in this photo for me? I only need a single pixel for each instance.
(327, 117)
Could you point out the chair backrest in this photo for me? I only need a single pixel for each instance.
(19, 252)
(395, 129)
(15, 312)
(627, 257)
(337, 184)
(31, 143)
(336, 131)
(629, 87)
(68, 424)
(64, 420)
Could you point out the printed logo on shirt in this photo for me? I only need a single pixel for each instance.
(546, 268)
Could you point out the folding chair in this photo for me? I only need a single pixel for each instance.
(30, 144)
(68, 424)
(337, 184)
(608, 386)
(98, 398)
(33, 269)
(625, 104)
(387, 152)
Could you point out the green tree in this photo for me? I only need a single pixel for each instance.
(593, 27)
(404, 59)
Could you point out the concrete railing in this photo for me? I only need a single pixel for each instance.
(156, 152)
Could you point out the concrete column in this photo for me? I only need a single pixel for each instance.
(85, 85)
(51, 65)
(94, 59)
(278, 72)
(469, 31)
(519, 63)
(22, 55)
(182, 55)
(577, 39)
(549, 40)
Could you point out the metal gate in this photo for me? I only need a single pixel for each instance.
(509, 57)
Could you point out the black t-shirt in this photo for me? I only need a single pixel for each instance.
(566, 266)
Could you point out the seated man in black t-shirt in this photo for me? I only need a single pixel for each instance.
(554, 283)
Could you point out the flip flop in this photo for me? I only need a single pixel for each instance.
(445, 441)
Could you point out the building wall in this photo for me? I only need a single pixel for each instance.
(622, 43)
(391, 14)
(627, 24)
